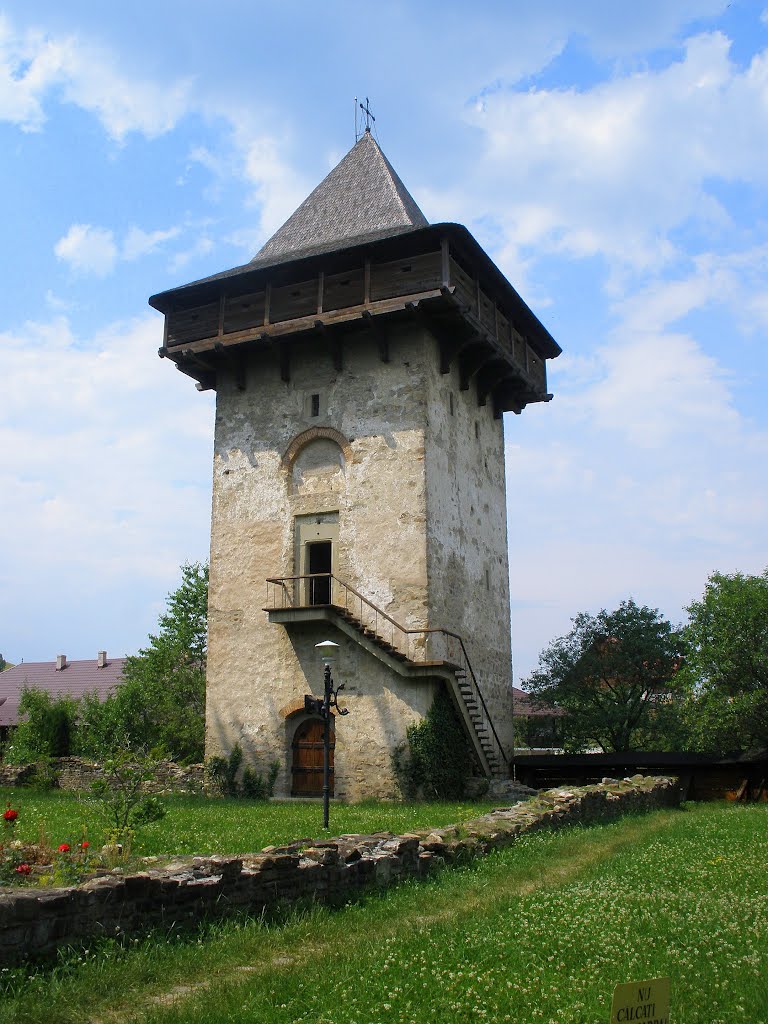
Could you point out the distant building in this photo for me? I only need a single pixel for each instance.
(59, 678)
(537, 725)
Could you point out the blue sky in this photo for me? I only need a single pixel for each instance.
(610, 157)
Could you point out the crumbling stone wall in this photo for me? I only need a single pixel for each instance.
(73, 773)
(35, 921)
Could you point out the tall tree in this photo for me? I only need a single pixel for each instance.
(614, 676)
(160, 705)
(727, 667)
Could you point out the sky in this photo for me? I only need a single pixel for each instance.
(610, 157)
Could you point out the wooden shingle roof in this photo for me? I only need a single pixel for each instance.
(361, 198)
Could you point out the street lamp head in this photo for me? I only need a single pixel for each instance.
(327, 649)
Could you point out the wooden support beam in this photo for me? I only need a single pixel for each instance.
(379, 333)
(445, 265)
(507, 397)
(320, 290)
(493, 374)
(267, 301)
(472, 359)
(197, 360)
(206, 381)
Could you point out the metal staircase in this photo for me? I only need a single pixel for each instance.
(424, 653)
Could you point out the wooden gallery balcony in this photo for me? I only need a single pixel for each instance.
(437, 275)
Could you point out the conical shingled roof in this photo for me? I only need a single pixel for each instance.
(361, 197)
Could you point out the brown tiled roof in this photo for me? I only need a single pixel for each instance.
(525, 707)
(77, 678)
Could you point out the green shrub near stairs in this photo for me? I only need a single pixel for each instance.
(435, 761)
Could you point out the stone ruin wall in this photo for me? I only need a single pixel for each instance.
(76, 774)
(35, 922)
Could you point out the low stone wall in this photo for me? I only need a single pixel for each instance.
(73, 773)
(38, 921)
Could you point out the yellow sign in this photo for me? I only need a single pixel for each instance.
(641, 1002)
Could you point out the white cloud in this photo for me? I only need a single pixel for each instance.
(643, 476)
(278, 189)
(103, 448)
(33, 65)
(201, 247)
(88, 249)
(655, 389)
(140, 243)
(735, 280)
(614, 168)
(94, 250)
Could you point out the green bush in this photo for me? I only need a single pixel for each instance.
(223, 775)
(435, 761)
(46, 729)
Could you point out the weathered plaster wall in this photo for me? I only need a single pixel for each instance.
(467, 535)
(255, 668)
(34, 922)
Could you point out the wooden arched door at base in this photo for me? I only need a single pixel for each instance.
(307, 759)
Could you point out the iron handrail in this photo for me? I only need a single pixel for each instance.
(379, 612)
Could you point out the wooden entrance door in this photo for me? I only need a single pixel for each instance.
(307, 767)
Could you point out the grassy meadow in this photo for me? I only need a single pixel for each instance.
(199, 825)
(538, 933)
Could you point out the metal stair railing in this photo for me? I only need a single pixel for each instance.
(432, 646)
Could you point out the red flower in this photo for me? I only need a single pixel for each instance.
(84, 845)
(64, 848)
(23, 869)
(10, 815)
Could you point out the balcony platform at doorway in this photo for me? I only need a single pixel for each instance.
(411, 664)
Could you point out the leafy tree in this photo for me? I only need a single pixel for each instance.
(3, 664)
(45, 729)
(160, 705)
(614, 676)
(727, 667)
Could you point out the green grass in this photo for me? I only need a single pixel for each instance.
(198, 825)
(539, 933)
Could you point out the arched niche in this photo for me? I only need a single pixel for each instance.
(316, 462)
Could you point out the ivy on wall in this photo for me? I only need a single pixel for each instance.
(435, 760)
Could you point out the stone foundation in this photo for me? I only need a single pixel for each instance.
(34, 922)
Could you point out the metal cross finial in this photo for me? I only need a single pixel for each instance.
(368, 115)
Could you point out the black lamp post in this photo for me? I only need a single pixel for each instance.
(327, 650)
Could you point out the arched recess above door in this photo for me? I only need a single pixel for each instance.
(316, 461)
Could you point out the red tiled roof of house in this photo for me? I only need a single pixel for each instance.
(524, 706)
(75, 679)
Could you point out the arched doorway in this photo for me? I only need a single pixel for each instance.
(307, 759)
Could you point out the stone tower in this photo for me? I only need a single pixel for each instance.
(362, 362)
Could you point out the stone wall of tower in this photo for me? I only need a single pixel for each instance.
(258, 671)
(467, 560)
